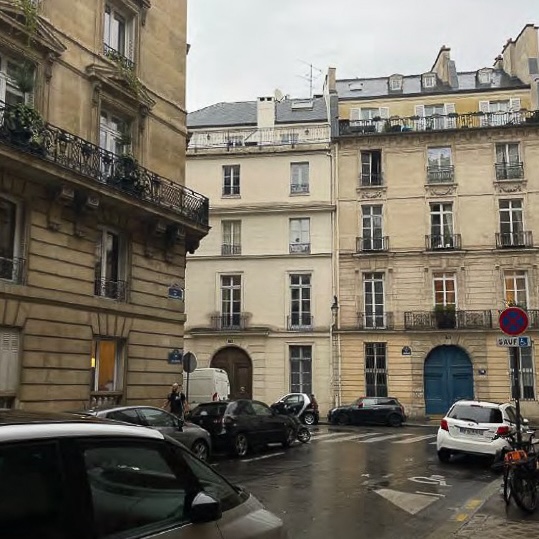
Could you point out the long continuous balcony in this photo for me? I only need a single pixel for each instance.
(448, 319)
(117, 172)
(235, 139)
(514, 240)
(439, 122)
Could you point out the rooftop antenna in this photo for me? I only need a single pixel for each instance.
(313, 75)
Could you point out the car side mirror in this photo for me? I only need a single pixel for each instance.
(205, 509)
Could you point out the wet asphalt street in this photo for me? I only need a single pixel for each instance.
(374, 482)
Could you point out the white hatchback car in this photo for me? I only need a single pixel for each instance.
(471, 427)
(65, 476)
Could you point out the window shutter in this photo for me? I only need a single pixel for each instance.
(420, 111)
(237, 233)
(296, 174)
(130, 40)
(226, 233)
(355, 114)
(484, 107)
(384, 113)
(514, 104)
(2, 87)
(294, 231)
(9, 360)
(451, 123)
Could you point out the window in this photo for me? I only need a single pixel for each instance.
(12, 74)
(33, 493)
(110, 266)
(127, 416)
(300, 235)
(117, 33)
(261, 409)
(429, 80)
(485, 76)
(508, 164)
(290, 138)
(107, 365)
(476, 413)
(516, 290)
(301, 374)
(511, 226)
(500, 112)
(445, 289)
(441, 226)
(299, 178)
(371, 168)
(114, 133)
(300, 302)
(372, 239)
(439, 165)
(231, 237)
(231, 180)
(369, 119)
(375, 369)
(230, 301)
(9, 366)
(158, 418)
(373, 288)
(11, 248)
(395, 83)
(526, 376)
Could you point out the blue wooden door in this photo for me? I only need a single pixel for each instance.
(448, 377)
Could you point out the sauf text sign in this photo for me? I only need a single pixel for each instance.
(519, 342)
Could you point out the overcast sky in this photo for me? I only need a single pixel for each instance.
(243, 49)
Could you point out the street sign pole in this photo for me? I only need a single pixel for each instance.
(515, 360)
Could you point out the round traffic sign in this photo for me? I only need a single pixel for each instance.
(514, 321)
(189, 361)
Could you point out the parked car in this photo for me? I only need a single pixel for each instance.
(470, 427)
(195, 438)
(300, 405)
(239, 425)
(67, 475)
(369, 411)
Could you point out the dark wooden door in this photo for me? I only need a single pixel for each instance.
(237, 365)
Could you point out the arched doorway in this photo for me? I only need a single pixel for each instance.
(239, 368)
(448, 377)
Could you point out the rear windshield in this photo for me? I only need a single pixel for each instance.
(476, 413)
(212, 409)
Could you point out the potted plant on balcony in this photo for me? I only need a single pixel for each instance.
(126, 169)
(446, 316)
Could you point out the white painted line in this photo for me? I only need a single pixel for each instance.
(382, 438)
(411, 503)
(263, 457)
(415, 439)
(348, 438)
(430, 494)
(433, 443)
(330, 435)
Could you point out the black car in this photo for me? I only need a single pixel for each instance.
(369, 411)
(239, 425)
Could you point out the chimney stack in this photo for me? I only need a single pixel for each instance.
(265, 112)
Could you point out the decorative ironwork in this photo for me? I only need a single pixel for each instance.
(442, 242)
(447, 319)
(229, 321)
(371, 179)
(369, 245)
(228, 249)
(12, 269)
(439, 122)
(296, 188)
(442, 174)
(119, 172)
(300, 322)
(372, 321)
(116, 290)
(514, 240)
(295, 248)
(118, 57)
(509, 171)
(7, 402)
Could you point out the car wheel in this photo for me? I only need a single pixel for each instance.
(343, 420)
(444, 455)
(201, 450)
(290, 437)
(241, 445)
(308, 418)
(394, 420)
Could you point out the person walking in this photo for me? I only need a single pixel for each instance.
(176, 402)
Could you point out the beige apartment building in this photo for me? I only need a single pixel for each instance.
(95, 221)
(260, 288)
(437, 192)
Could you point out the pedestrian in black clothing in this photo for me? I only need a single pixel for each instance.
(176, 401)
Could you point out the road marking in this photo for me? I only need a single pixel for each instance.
(430, 494)
(416, 439)
(263, 457)
(437, 480)
(433, 443)
(407, 501)
(382, 438)
(351, 437)
(330, 435)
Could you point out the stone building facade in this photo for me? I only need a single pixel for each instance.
(92, 233)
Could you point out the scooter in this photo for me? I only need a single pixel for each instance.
(303, 434)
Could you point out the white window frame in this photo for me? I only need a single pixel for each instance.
(231, 234)
(503, 149)
(444, 278)
(300, 235)
(299, 177)
(231, 296)
(515, 207)
(428, 80)
(112, 129)
(299, 316)
(368, 176)
(372, 227)
(446, 225)
(8, 84)
(113, 41)
(17, 240)
(119, 362)
(376, 350)
(10, 367)
(374, 312)
(395, 83)
(485, 76)
(305, 357)
(102, 280)
(519, 289)
(231, 180)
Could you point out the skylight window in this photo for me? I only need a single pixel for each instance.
(355, 86)
(307, 104)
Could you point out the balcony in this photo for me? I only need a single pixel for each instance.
(371, 321)
(228, 249)
(105, 399)
(443, 242)
(103, 168)
(372, 179)
(447, 319)
(372, 245)
(229, 322)
(111, 289)
(514, 240)
(299, 248)
(118, 57)
(442, 174)
(299, 322)
(12, 269)
(439, 122)
(299, 188)
(509, 171)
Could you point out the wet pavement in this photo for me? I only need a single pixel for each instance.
(373, 481)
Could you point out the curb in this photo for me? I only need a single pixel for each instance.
(465, 512)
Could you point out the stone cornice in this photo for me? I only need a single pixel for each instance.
(314, 207)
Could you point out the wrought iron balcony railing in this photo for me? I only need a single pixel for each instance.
(514, 240)
(295, 248)
(439, 122)
(443, 242)
(509, 171)
(372, 321)
(372, 179)
(299, 188)
(229, 321)
(300, 322)
(118, 57)
(369, 245)
(447, 319)
(441, 174)
(7, 401)
(230, 249)
(118, 172)
(12, 269)
(105, 288)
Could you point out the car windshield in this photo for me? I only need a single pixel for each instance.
(476, 413)
(211, 409)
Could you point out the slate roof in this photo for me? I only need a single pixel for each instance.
(244, 113)
(411, 85)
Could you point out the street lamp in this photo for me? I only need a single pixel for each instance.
(335, 354)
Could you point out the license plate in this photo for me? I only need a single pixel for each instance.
(471, 431)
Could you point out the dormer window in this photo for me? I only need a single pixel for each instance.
(429, 80)
(485, 76)
(355, 86)
(395, 83)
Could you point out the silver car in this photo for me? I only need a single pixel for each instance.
(68, 475)
(197, 439)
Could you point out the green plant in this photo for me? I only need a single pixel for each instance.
(24, 77)
(25, 117)
(29, 9)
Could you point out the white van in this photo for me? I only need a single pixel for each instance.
(206, 385)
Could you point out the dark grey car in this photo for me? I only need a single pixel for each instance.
(195, 438)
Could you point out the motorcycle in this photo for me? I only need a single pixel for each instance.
(303, 434)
